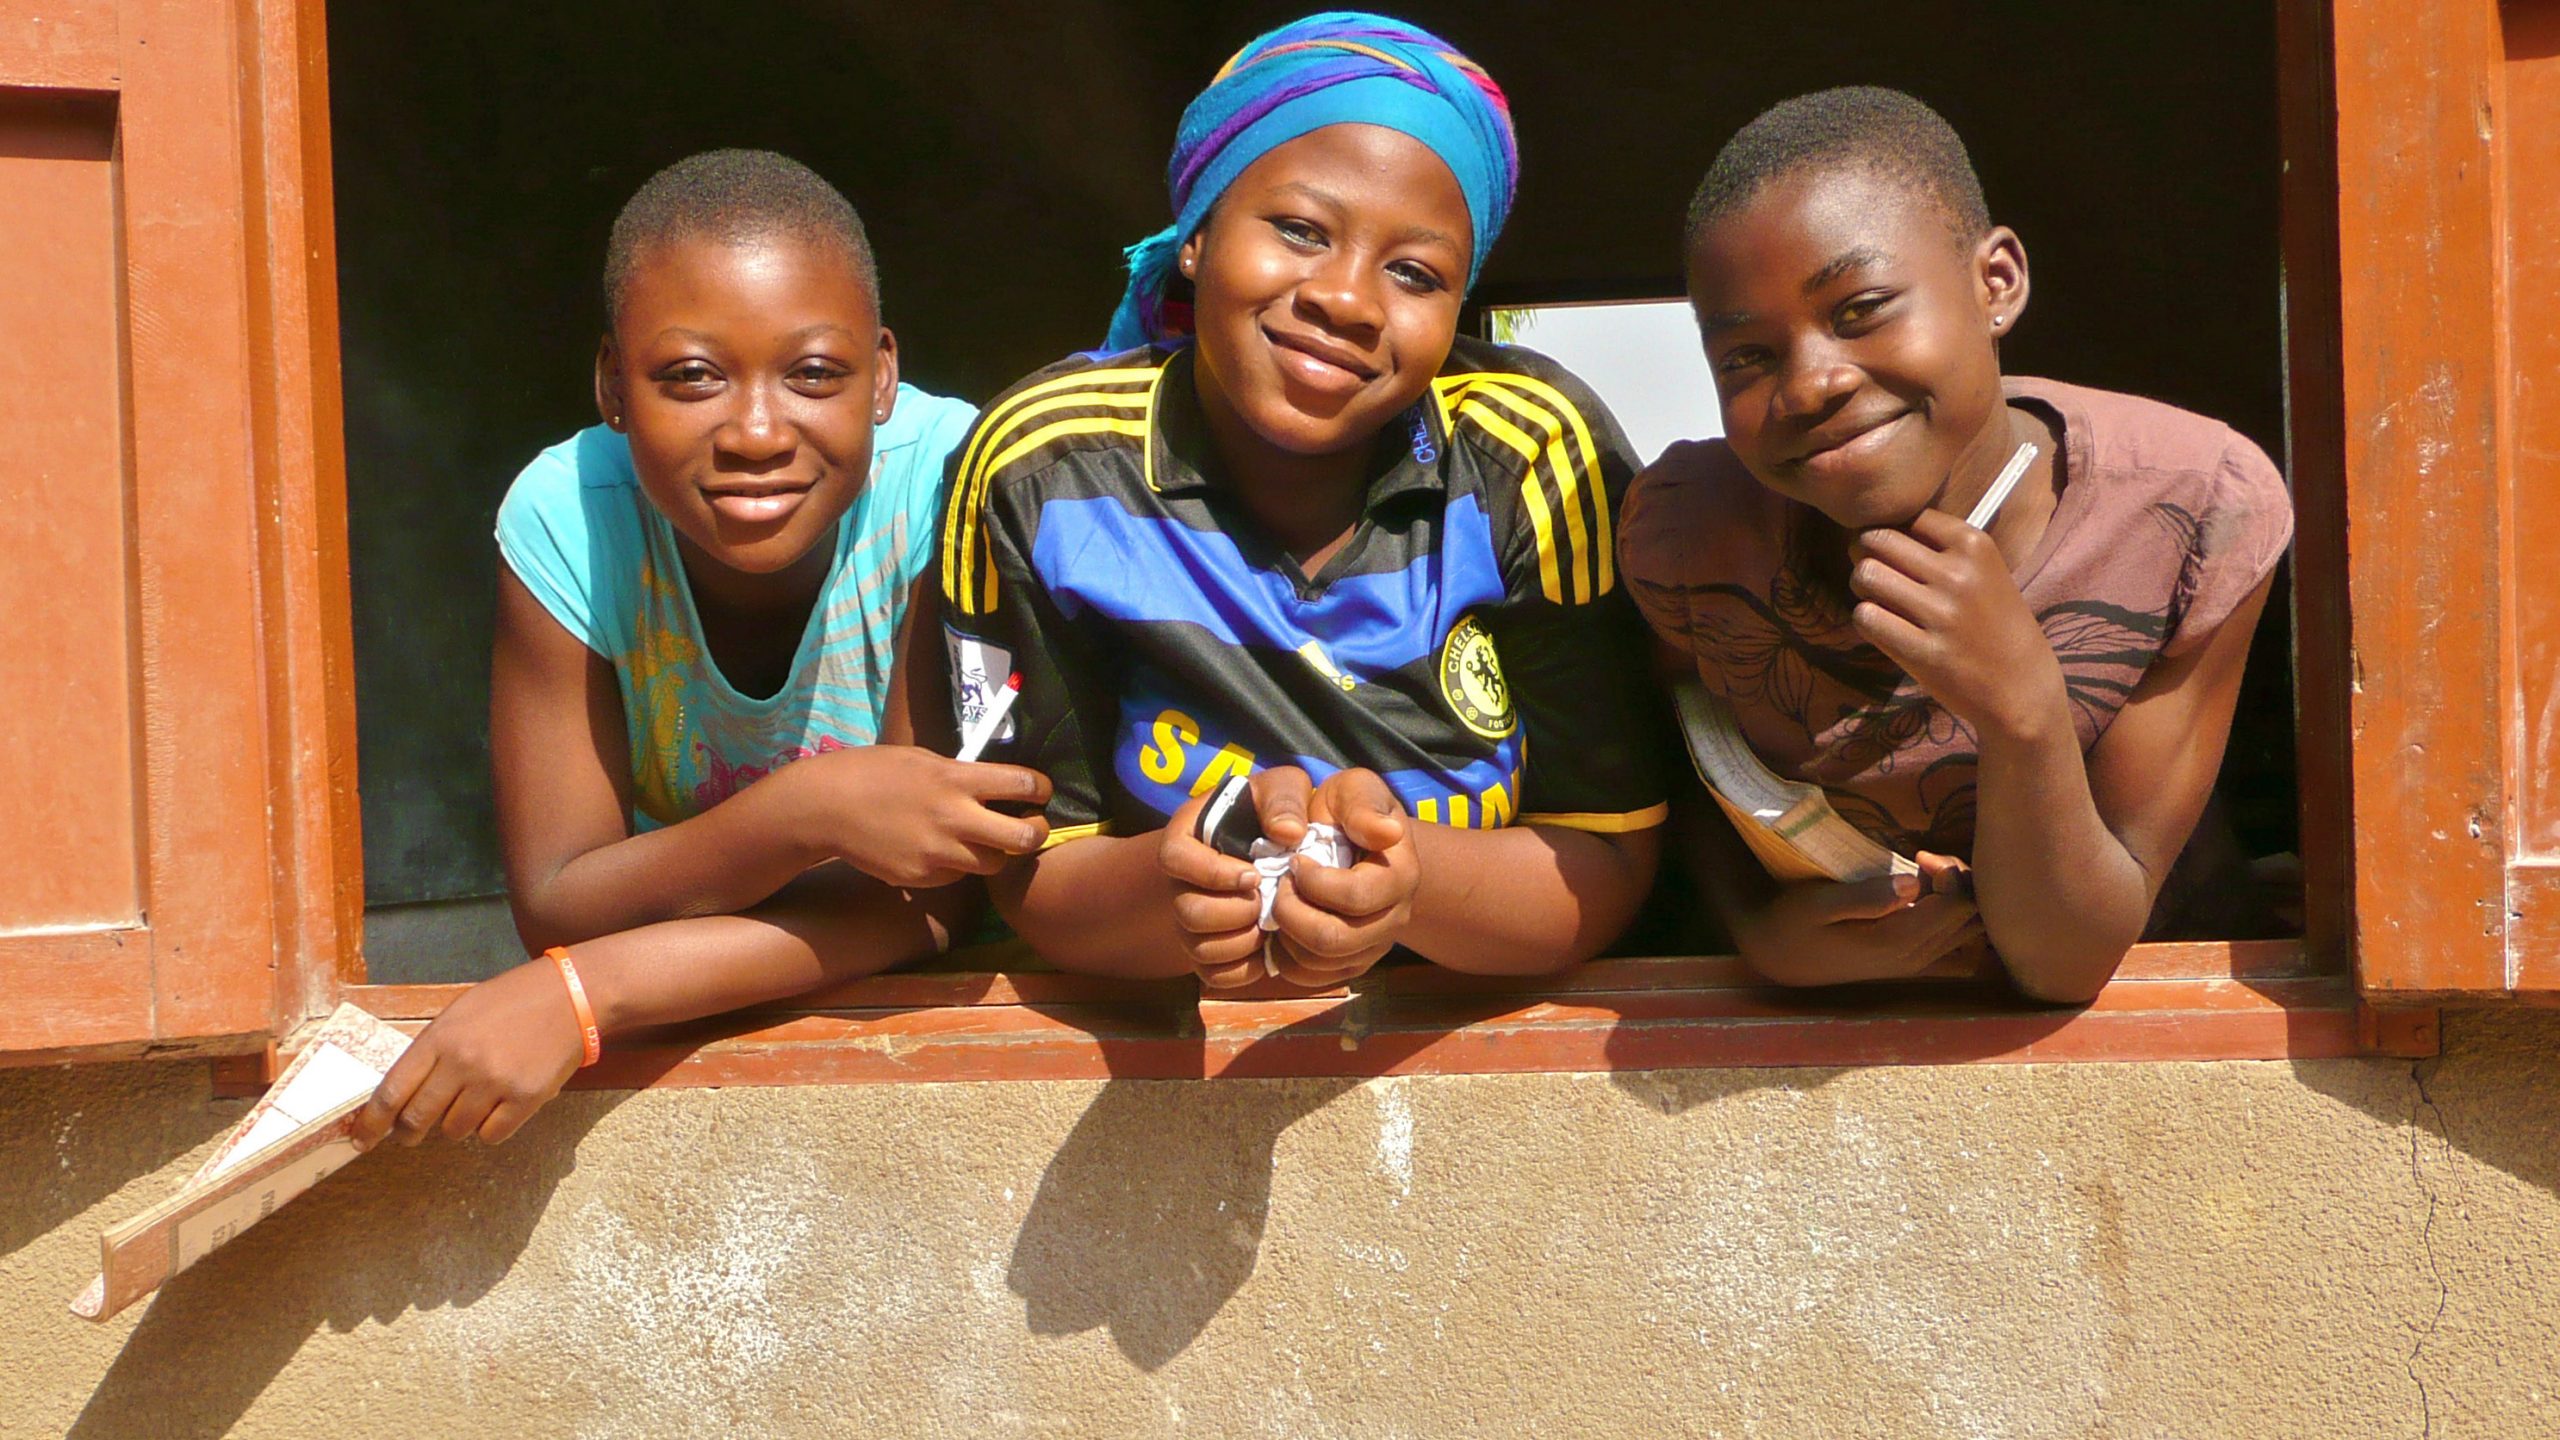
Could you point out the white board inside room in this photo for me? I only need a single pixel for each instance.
(1641, 356)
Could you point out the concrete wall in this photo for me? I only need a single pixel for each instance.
(2327, 1249)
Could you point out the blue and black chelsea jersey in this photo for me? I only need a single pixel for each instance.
(1470, 642)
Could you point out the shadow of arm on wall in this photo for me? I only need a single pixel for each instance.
(399, 1230)
(68, 1141)
(1673, 1053)
(1150, 1217)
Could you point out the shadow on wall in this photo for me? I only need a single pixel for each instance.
(1150, 1217)
(2488, 1095)
(1648, 1058)
(448, 1222)
(1676, 1092)
(56, 1165)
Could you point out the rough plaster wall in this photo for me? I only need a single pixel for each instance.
(2329, 1249)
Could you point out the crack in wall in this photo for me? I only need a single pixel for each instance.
(2422, 1101)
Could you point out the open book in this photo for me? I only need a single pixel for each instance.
(291, 1140)
(1788, 824)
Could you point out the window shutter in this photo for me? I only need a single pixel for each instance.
(2448, 151)
(179, 819)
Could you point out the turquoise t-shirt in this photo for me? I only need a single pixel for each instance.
(582, 536)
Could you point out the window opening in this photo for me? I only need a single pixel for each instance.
(468, 290)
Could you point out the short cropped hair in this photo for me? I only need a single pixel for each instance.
(1855, 127)
(732, 196)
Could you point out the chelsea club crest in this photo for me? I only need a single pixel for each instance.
(1471, 681)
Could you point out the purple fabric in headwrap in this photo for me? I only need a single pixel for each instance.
(1341, 67)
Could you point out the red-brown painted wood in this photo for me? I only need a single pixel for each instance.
(73, 851)
(2315, 466)
(2527, 123)
(179, 847)
(302, 538)
(63, 44)
(2203, 960)
(2418, 96)
(2174, 1002)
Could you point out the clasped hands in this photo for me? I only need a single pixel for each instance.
(1334, 924)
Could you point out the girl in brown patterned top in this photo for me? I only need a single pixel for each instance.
(2037, 709)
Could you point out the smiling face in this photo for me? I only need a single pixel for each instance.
(747, 375)
(1853, 339)
(1326, 287)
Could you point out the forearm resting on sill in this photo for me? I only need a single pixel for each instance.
(828, 926)
(2196, 1001)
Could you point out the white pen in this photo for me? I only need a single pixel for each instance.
(1998, 495)
(984, 731)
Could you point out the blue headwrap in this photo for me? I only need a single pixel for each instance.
(1341, 67)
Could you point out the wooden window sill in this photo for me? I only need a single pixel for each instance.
(2255, 1000)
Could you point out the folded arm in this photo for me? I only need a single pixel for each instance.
(575, 869)
(2069, 853)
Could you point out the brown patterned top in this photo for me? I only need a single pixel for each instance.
(2165, 522)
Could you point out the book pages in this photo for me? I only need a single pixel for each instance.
(1789, 825)
(294, 1137)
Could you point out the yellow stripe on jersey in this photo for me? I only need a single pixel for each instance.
(978, 472)
(1617, 824)
(1061, 429)
(1589, 453)
(1155, 387)
(1060, 835)
(986, 574)
(963, 496)
(1553, 419)
(960, 527)
(997, 419)
(1543, 424)
(1054, 430)
(1532, 490)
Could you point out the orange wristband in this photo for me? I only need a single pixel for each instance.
(587, 1034)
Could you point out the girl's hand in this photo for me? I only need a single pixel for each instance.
(911, 818)
(1945, 875)
(484, 1066)
(1217, 899)
(1939, 601)
(1825, 932)
(1335, 924)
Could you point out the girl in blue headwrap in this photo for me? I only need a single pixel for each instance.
(1288, 525)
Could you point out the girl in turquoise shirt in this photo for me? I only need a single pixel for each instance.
(708, 787)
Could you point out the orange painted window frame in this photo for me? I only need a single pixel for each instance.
(2254, 1000)
(2294, 999)
(2175, 1002)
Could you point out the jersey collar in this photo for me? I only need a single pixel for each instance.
(1177, 431)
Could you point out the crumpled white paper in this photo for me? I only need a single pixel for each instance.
(1323, 844)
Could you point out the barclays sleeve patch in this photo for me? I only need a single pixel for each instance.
(978, 670)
